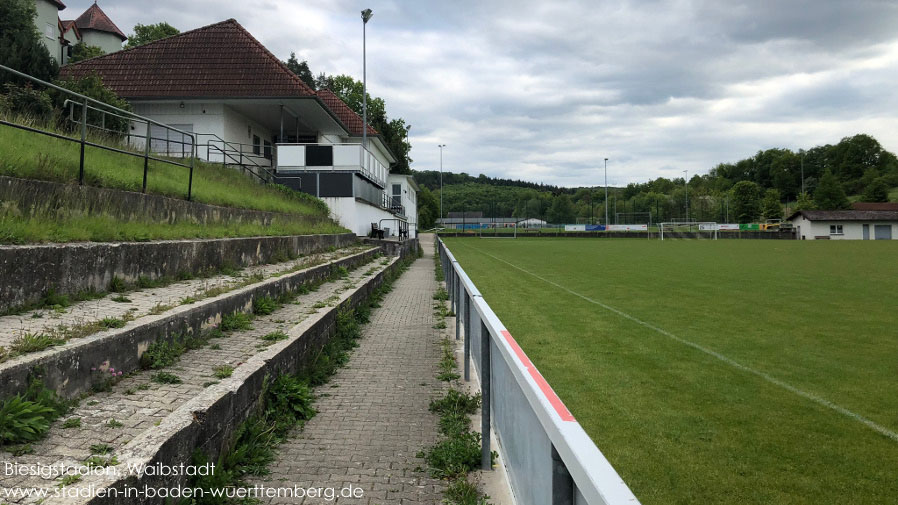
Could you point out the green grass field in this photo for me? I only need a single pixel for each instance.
(806, 343)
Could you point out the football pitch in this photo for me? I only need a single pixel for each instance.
(725, 372)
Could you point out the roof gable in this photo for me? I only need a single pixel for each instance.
(221, 60)
(95, 19)
(845, 215)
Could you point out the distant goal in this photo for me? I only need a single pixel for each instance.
(701, 230)
(498, 230)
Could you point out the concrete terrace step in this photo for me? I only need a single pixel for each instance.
(139, 420)
(133, 304)
(67, 368)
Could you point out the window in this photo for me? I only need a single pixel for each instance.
(257, 145)
(50, 31)
(267, 150)
(835, 229)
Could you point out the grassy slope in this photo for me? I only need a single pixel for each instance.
(684, 427)
(28, 155)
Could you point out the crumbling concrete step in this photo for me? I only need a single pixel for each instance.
(81, 317)
(67, 368)
(139, 419)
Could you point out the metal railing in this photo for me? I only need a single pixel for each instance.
(131, 122)
(344, 157)
(234, 154)
(549, 457)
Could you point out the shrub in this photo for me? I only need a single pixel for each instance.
(161, 353)
(27, 101)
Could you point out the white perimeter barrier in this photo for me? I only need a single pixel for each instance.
(549, 458)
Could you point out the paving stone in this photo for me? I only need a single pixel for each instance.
(370, 428)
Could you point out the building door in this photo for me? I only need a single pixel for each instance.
(866, 232)
(882, 232)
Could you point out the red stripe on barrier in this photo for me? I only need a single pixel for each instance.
(544, 386)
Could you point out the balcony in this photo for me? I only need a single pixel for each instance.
(331, 158)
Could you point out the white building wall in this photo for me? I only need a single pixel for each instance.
(108, 42)
(200, 117)
(239, 129)
(409, 200)
(357, 216)
(851, 230)
(47, 24)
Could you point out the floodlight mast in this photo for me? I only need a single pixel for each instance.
(366, 15)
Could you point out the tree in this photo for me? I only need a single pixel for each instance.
(144, 34)
(746, 199)
(877, 191)
(771, 208)
(804, 203)
(301, 69)
(393, 131)
(428, 209)
(829, 194)
(93, 87)
(82, 51)
(20, 43)
(562, 211)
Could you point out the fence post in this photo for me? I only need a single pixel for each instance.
(457, 318)
(146, 157)
(192, 163)
(486, 457)
(467, 337)
(562, 482)
(83, 138)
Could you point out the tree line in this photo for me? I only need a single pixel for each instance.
(756, 188)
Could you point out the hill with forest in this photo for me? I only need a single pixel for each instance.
(759, 187)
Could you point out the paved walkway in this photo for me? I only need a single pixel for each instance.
(373, 416)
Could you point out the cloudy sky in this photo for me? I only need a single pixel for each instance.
(544, 90)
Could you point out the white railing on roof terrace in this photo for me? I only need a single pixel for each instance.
(331, 157)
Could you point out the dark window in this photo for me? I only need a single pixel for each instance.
(319, 156)
(267, 150)
(257, 145)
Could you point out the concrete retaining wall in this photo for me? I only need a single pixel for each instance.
(395, 248)
(34, 198)
(28, 272)
(66, 369)
(207, 422)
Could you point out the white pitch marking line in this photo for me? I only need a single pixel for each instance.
(769, 378)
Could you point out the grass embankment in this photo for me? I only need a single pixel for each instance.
(33, 156)
(681, 425)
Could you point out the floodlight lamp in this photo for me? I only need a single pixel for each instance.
(366, 15)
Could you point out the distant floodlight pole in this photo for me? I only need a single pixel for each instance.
(802, 169)
(606, 193)
(441, 146)
(366, 15)
(686, 183)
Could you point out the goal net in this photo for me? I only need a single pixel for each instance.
(498, 230)
(680, 229)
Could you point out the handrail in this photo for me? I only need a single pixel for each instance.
(569, 468)
(267, 178)
(85, 103)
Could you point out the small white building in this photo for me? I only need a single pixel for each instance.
(845, 224)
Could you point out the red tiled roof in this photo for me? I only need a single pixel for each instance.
(346, 115)
(95, 19)
(874, 206)
(66, 25)
(217, 61)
